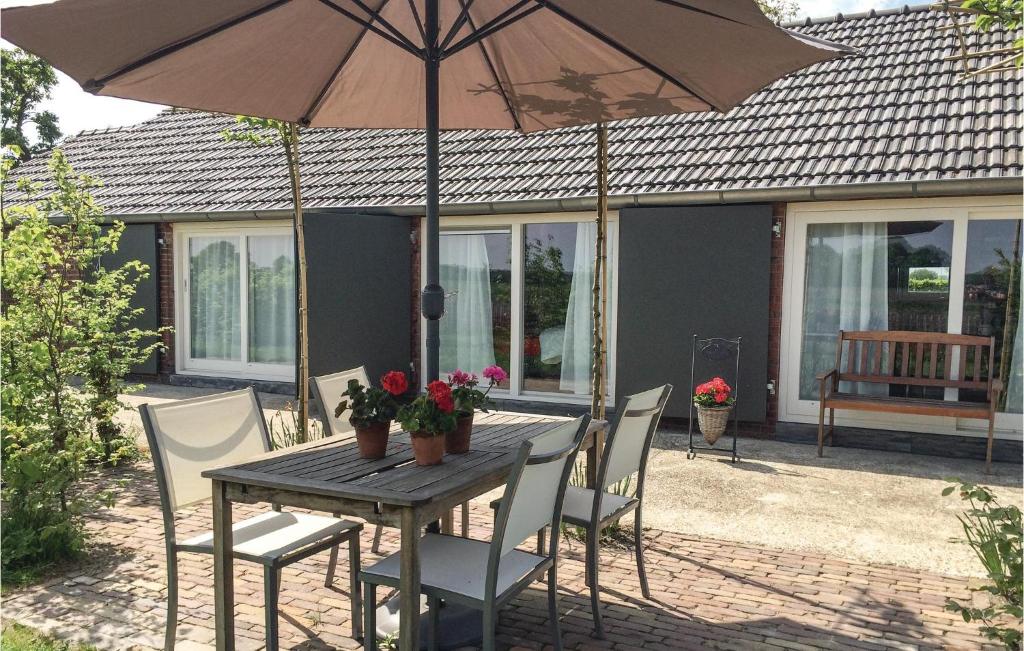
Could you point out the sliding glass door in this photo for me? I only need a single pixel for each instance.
(906, 266)
(237, 316)
(520, 296)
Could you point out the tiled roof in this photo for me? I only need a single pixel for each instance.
(899, 113)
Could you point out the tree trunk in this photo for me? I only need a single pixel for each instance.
(600, 289)
(302, 368)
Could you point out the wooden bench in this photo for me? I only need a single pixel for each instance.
(924, 359)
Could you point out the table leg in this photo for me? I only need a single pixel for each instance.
(409, 583)
(223, 569)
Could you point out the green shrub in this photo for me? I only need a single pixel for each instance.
(993, 531)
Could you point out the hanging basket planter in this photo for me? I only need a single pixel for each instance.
(712, 422)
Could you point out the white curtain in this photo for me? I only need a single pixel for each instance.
(1014, 397)
(271, 299)
(846, 288)
(467, 333)
(215, 303)
(577, 346)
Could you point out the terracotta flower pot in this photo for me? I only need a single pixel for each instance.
(372, 440)
(457, 441)
(428, 450)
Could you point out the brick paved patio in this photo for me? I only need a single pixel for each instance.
(708, 594)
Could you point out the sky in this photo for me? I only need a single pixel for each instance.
(78, 110)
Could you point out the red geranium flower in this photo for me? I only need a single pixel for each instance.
(445, 404)
(721, 397)
(438, 389)
(395, 383)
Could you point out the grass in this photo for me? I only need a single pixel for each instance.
(16, 637)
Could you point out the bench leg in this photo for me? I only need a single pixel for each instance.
(831, 427)
(988, 447)
(821, 426)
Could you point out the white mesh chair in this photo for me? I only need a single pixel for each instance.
(326, 391)
(189, 436)
(625, 454)
(486, 575)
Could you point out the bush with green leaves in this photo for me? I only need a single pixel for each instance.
(993, 531)
(67, 342)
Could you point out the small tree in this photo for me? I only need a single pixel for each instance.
(27, 81)
(263, 132)
(45, 418)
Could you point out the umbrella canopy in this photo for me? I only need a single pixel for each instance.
(505, 64)
(431, 64)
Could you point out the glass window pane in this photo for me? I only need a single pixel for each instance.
(558, 282)
(992, 296)
(476, 273)
(872, 276)
(215, 306)
(271, 299)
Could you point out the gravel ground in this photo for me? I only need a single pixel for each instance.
(862, 505)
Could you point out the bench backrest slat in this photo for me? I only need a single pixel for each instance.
(923, 358)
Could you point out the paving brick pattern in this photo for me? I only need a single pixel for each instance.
(707, 594)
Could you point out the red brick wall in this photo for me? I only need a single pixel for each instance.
(775, 312)
(165, 232)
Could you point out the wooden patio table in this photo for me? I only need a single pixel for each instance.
(328, 475)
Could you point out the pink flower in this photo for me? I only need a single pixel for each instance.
(459, 378)
(495, 374)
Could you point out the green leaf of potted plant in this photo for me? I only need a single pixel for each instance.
(714, 401)
(468, 398)
(373, 409)
(428, 419)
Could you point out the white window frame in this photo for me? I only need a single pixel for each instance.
(516, 224)
(185, 364)
(959, 210)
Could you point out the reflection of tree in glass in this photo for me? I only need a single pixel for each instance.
(547, 286)
(272, 287)
(215, 323)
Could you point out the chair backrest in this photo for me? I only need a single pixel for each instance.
(187, 437)
(327, 390)
(626, 449)
(932, 359)
(536, 485)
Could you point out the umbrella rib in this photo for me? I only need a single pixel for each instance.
(95, 85)
(498, 23)
(375, 17)
(419, 21)
(622, 49)
(403, 43)
(494, 73)
(306, 117)
(456, 25)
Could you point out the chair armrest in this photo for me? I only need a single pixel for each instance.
(827, 387)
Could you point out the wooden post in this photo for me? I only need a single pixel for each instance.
(291, 143)
(223, 570)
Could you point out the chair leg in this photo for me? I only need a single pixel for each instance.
(638, 549)
(172, 600)
(556, 629)
(593, 540)
(988, 448)
(270, 592)
(354, 567)
(369, 617)
(540, 541)
(465, 519)
(433, 622)
(821, 427)
(831, 427)
(375, 547)
(489, 624)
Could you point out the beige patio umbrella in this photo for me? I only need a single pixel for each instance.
(423, 64)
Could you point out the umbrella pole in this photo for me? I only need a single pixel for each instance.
(432, 301)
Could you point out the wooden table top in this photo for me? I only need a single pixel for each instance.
(332, 467)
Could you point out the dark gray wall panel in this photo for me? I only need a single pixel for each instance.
(138, 242)
(360, 277)
(686, 270)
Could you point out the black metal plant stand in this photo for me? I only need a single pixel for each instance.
(717, 351)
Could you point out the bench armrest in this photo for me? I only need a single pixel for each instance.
(827, 386)
(996, 390)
